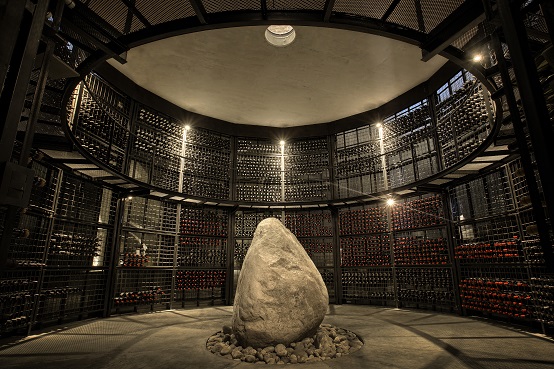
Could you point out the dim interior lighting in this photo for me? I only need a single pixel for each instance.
(282, 143)
(390, 201)
(187, 128)
(477, 58)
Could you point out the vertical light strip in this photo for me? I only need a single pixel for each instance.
(488, 107)
(282, 144)
(382, 152)
(183, 150)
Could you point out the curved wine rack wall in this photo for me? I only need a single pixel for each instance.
(153, 149)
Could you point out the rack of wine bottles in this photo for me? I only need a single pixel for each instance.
(101, 120)
(200, 287)
(207, 164)
(258, 170)
(201, 265)
(358, 162)
(306, 165)
(503, 274)
(397, 255)
(146, 254)
(58, 256)
(409, 145)
(155, 148)
(464, 117)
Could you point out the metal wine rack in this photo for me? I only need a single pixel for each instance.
(502, 267)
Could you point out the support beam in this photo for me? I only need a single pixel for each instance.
(467, 16)
(532, 98)
(130, 4)
(525, 155)
(15, 85)
(199, 10)
(328, 10)
(263, 4)
(389, 11)
(11, 14)
(99, 44)
(419, 14)
(40, 87)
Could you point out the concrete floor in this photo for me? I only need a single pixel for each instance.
(176, 339)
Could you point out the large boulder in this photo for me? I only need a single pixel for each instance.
(281, 297)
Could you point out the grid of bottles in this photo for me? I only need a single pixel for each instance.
(203, 237)
(155, 148)
(410, 145)
(146, 254)
(58, 256)
(373, 286)
(100, 119)
(306, 165)
(259, 171)
(464, 117)
(394, 255)
(200, 287)
(207, 164)
(498, 250)
(142, 289)
(359, 162)
(148, 145)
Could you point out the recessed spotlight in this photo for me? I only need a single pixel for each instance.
(280, 35)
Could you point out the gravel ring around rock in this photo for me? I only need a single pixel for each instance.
(329, 342)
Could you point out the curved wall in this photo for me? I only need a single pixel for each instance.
(223, 162)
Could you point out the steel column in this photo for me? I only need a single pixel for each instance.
(535, 109)
(16, 82)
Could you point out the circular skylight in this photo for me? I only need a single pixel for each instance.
(280, 35)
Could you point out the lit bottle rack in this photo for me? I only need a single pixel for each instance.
(430, 288)
(409, 145)
(58, 258)
(146, 255)
(358, 162)
(464, 115)
(201, 274)
(407, 242)
(200, 287)
(368, 286)
(258, 171)
(498, 251)
(207, 164)
(102, 120)
(142, 289)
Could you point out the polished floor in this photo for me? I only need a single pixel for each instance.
(176, 339)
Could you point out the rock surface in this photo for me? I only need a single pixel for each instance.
(281, 297)
(328, 343)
